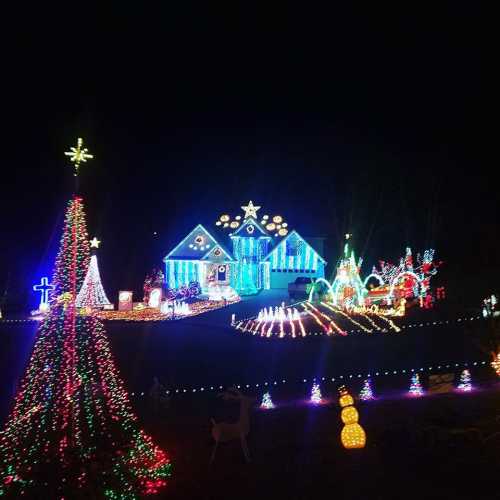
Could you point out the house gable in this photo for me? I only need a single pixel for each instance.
(194, 246)
(218, 253)
(293, 252)
(250, 228)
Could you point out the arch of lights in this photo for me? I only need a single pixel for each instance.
(318, 281)
(379, 278)
(396, 280)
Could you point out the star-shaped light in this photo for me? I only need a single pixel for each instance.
(94, 242)
(250, 210)
(79, 154)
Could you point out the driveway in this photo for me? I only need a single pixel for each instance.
(247, 307)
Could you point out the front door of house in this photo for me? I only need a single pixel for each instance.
(221, 273)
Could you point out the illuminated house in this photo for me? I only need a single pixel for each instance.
(263, 255)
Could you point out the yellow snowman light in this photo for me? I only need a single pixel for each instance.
(345, 398)
(352, 435)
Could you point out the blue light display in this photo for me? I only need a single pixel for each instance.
(43, 288)
(256, 261)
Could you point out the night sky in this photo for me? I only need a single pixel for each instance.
(368, 122)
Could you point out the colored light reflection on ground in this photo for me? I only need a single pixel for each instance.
(154, 314)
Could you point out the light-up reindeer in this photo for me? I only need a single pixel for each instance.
(224, 432)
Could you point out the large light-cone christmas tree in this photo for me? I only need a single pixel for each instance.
(72, 261)
(92, 292)
(72, 432)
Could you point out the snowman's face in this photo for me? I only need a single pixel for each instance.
(346, 400)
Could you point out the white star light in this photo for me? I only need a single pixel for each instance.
(250, 210)
(94, 242)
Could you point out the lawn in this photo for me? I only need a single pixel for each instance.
(432, 447)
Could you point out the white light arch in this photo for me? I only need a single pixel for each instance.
(320, 280)
(376, 276)
(395, 281)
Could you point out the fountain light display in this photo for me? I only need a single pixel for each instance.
(305, 317)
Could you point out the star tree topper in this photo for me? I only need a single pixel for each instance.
(94, 242)
(78, 155)
(250, 210)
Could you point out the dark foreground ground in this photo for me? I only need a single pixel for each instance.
(434, 447)
(438, 447)
(205, 350)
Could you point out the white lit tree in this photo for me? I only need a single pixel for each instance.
(416, 389)
(267, 402)
(316, 397)
(367, 392)
(92, 293)
(465, 382)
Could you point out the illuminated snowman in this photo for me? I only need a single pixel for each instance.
(352, 435)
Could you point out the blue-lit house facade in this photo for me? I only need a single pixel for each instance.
(197, 258)
(292, 257)
(257, 259)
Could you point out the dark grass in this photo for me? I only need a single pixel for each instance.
(416, 449)
(411, 451)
